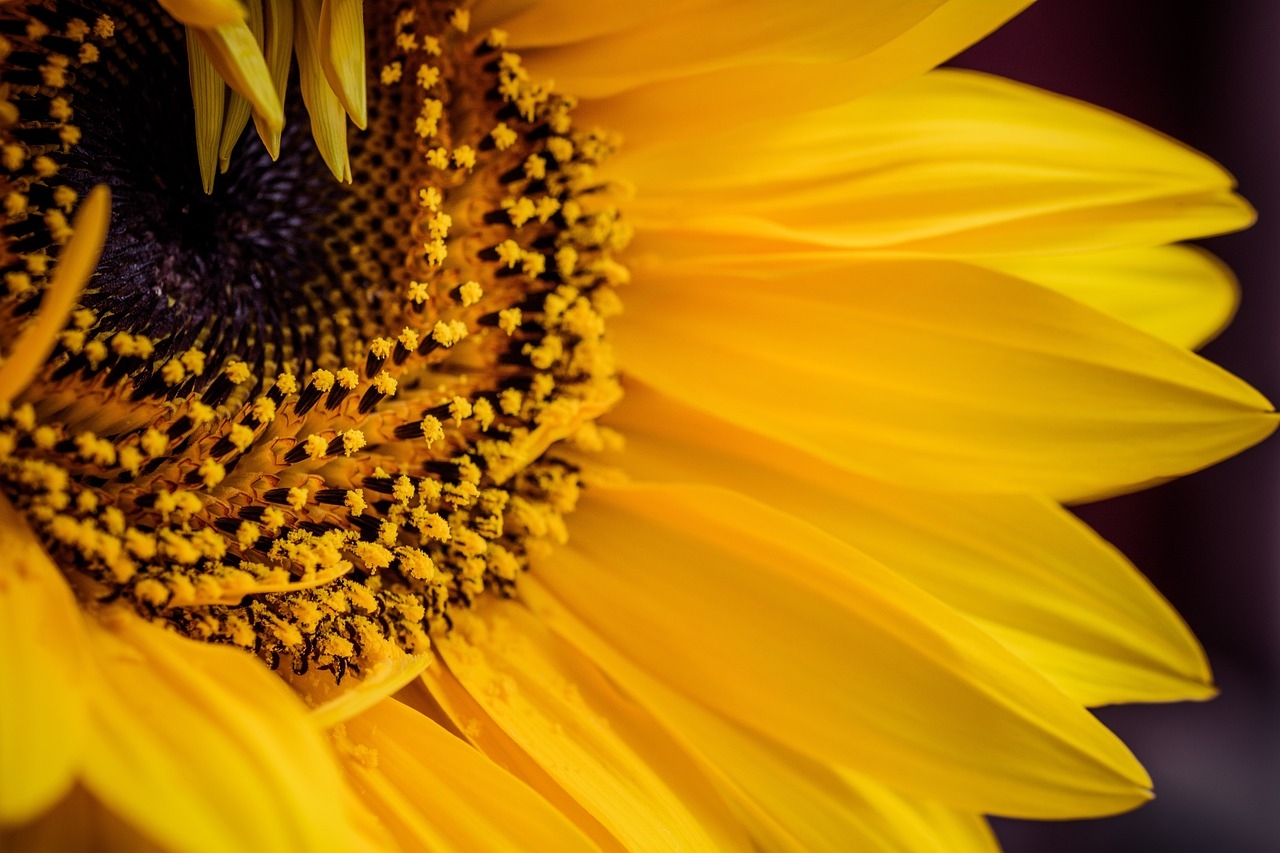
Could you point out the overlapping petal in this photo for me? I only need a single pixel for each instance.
(626, 772)
(797, 637)
(676, 110)
(953, 163)
(940, 375)
(1032, 574)
(434, 792)
(205, 13)
(643, 43)
(197, 747)
(1181, 294)
(442, 698)
(204, 749)
(43, 715)
(328, 116)
(787, 801)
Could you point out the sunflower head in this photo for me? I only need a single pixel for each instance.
(288, 414)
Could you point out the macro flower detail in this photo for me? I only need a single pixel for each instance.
(336, 521)
(321, 409)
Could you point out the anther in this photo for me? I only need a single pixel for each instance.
(345, 381)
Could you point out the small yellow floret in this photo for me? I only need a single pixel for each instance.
(315, 446)
(464, 156)
(459, 409)
(503, 136)
(323, 380)
(211, 473)
(241, 437)
(238, 372)
(432, 429)
(352, 441)
(348, 378)
(509, 319)
(471, 293)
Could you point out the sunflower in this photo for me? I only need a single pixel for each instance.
(346, 507)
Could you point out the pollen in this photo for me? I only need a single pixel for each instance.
(329, 464)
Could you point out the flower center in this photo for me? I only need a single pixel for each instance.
(297, 416)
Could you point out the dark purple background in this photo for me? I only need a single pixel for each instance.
(1207, 73)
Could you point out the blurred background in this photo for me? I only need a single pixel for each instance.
(1207, 73)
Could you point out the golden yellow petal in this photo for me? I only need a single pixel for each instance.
(278, 49)
(675, 110)
(1181, 294)
(441, 698)
(204, 749)
(628, 775)
(938, 375)
(237, 55)
(328, 119)
(205, 13)
(70, 275)
(435, 792)
(42, 708)
(238, 107)
(709, 35)
(786, 801)
(544, 23)
(793, 635)
(953, 163)
(341, 51)
(209, 97)
(1039, 580)
(237, 118)
(486, 14)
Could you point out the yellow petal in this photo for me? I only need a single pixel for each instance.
(278, 51)
(42, 709)
(457, 711)
(938, 375)
(709, 35)
(676, 109)
(237, 55)
(238, 107)
(1031, 573)
(341, 50)
(79, 822)
(552, 703)
(1179, 293)
(233, 125)
(204, 749)
(496, 13)
(209, 97)
(435, 792)
(787, 801)
(205, 13)
(793, 635)
(328, 119)
(70, 275)
(542, 23)
(953, 163)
